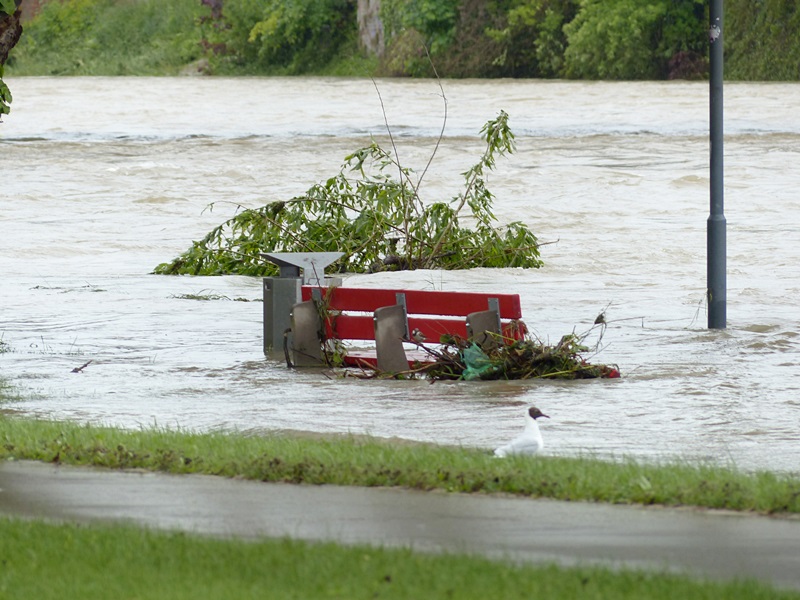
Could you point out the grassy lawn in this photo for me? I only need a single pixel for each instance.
(364, 461)
(66, 561)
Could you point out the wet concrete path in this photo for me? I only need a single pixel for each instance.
(710, 544)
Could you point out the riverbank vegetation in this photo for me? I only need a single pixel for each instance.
(587, 39)
(365, 461)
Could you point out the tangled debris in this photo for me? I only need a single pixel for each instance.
(457, 358)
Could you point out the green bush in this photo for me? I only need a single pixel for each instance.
(613, 39)
(762, 40)
(682, 50)
(632, 39)
(302, 35)
(533, 39)
(411, 27)
(434, 19)
(620, 39)
(241, 55)
(472, 51)
(103, 37)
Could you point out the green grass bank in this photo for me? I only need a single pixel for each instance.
(67, 561)
(364, 461)
(51, 560)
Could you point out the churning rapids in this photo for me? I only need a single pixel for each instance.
(104, 178)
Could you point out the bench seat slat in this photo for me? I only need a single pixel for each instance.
(362, 358)
(360, 327)
(457, 304)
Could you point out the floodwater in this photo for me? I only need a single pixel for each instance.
(104, 178)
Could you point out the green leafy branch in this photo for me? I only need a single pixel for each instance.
(8, 6)
(378, 221)
(5, 96)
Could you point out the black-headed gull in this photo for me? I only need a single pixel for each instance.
(529, 441)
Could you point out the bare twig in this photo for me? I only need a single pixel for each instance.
(82, 367)
(444, 122)
(388, 129)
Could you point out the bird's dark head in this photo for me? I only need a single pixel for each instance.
(535, 413)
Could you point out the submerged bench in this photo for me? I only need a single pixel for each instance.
(396, 320)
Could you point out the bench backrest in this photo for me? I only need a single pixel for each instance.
(433, 313)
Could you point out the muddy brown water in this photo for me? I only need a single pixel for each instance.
(104, 178)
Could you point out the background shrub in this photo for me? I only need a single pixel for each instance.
(587, 39)
(103, 37)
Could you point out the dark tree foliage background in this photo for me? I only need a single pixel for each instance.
(586, 39)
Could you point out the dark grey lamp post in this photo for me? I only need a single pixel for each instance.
(716, 234)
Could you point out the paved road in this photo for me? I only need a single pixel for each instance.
(712, 544)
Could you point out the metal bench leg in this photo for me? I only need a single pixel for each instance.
(391, 327)
(280, 295)
(306, 345)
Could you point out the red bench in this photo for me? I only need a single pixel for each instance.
(392, 318)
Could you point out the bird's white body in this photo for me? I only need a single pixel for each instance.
(529, 441)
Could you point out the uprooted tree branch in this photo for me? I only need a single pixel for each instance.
(377, 220)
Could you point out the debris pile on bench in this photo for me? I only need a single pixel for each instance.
(433, 334)
(526, 358)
